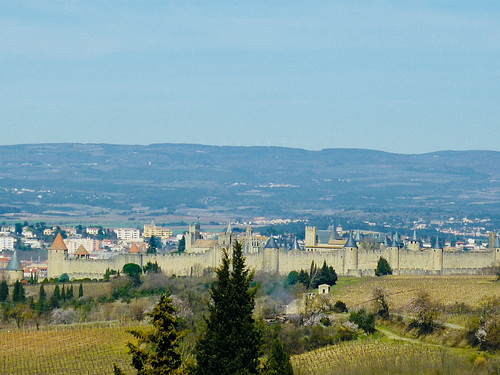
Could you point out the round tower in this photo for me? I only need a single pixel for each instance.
(394, 255)
(350, 256)
(58, 253)
(496, 249)
(414, 243)
(271, 256)
(437, 256)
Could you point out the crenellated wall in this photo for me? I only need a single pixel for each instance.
(346, 261)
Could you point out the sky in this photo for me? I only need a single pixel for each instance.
(404, 77)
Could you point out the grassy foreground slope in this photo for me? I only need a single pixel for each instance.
(447, 290)
(71, 350)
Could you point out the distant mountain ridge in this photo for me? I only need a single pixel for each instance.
(175, 178)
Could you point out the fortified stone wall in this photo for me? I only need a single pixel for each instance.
(347, 261)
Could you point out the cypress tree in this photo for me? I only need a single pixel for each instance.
(4, 291)
(56, 296)
(152, 245)
(41, 305)
(231, 343)
(18, 293)
(69, 294)
(80, 291)
(63, 294)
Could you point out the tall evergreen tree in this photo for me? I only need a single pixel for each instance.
(157, 349)
(63, 294)
(18, 293)
(4, 291)
(69, 294)
(56, 297)
(231, 343)
(42, 306)
(80, 291)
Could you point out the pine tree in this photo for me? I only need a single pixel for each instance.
(231, 343)
(80, 291)
(18, 293)
(156, 352)
(383, 267)
(63, 294)
(4, 291)
(278, 362)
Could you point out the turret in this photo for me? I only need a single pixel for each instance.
(14, 270)
(58, 253)
(394, 254)
(350, 256)
(271, 256)
(437, 256)
(414, 243)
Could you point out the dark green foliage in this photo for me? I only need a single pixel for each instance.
(340, 307)
(56, 297)
(42, 306)
(80, 291)
(18, 293)
(69, 293)
(117, 370)
(364, 320)
(108, 273)
(325, 321)
(326, 275)
(278, 362)
(64, 278)
(383, 267)
(151, 268)
(181, 245)
(133, 271)
(156, 352)
(231, 343)
(4, 291)
(304, 278)
(152, 248)
(63, 294)
(293, 278)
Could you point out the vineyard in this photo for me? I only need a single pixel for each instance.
(447, 290)
(71, 350)
(383, 357)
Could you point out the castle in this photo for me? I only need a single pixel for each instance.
(350, 257)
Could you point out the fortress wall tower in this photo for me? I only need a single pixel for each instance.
(57, 255)
(394, 258)
(350, 257)
(310, 237)
(414, 244)
(271, 257)
(436, 256)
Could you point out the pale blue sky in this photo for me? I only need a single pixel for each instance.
(410, 77)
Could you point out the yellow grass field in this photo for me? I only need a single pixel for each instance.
(357, 293)
(67, 350)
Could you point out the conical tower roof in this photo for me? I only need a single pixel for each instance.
(358, 236)
(229, 230)
(436, 244)
(396, 237)
(295, 245)
(414, 238)
(14, 264)
(497, 242)
(81, 251)
(386, 242)
(134, 248)
(58, 243)
(350, 242)
(394, 242)
(271, 244)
